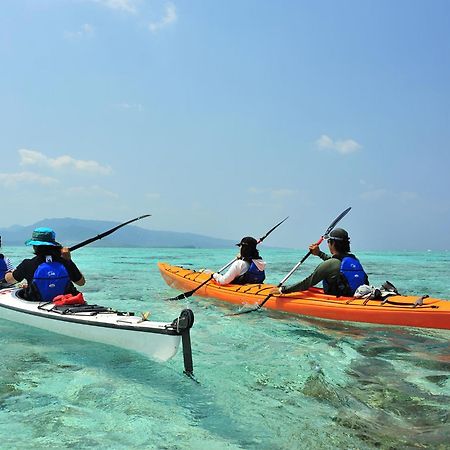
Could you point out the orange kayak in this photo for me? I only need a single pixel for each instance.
(397, 310)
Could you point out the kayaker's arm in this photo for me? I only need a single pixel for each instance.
(17, 275)
(315, 250)
(237, 268)
(324, 256)
(81, 281)
(323, 270)
(9, 278)
(65, 253)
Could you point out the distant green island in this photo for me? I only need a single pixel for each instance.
(71, 231)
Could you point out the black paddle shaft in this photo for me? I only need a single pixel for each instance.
(106, 233)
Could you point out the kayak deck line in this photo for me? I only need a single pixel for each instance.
(156, 340)
(396, 310)
(80, 318)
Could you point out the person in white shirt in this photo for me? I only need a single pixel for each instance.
(248, 268)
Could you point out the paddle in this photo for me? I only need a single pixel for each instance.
(324, 236)
(189, 293)
(106, 233)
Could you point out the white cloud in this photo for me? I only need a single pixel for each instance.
(121, 5)
(170, 17)
(32, 157)
(132, 7)
(344, 147)
(86, 31)
(12, 180)
(324, 142)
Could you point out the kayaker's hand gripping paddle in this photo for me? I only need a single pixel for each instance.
(189, 293)
(324, 236)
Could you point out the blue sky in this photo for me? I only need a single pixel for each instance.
(223, 117)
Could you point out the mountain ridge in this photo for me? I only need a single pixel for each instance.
(70, 231)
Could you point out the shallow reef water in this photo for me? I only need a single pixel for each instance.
(267, 380)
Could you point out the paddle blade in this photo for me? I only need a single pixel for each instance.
(180, 296)
(257, 308)
(336, 221)
(270, 231)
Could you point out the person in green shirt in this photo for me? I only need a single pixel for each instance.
(341, 272)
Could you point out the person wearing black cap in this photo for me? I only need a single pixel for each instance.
(5, 266)
(50, 273)
(248, 268)
(341, 273)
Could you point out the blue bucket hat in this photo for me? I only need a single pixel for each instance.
(43, 236)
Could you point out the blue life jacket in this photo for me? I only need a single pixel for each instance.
(352, 276)
(3, 267)
(354, 273)
(253, 276)
(50, 279)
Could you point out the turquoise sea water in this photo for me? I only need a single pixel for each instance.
(267, 380)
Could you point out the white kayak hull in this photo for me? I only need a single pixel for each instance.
(156, 340)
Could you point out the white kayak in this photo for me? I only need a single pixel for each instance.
(156, 340)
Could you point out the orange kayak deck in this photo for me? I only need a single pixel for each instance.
(398, 310)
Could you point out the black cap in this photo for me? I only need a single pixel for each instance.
(248, 240)
(339, 234)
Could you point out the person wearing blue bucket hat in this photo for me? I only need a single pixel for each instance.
(51, 272)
